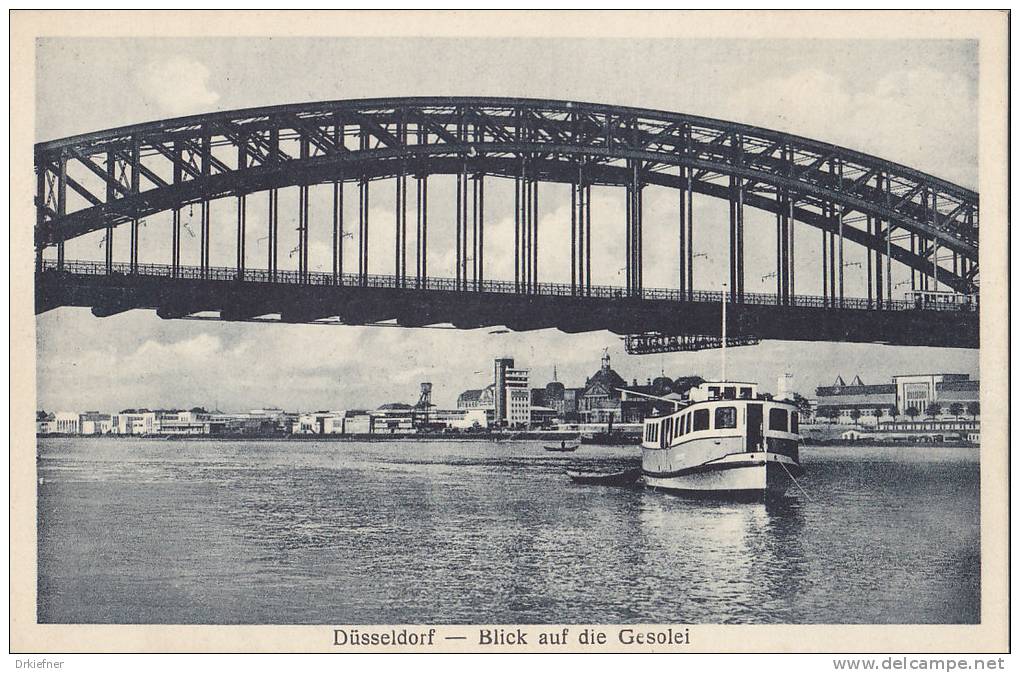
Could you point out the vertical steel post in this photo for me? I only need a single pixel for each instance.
(111, 194)
(573, 238)
(175, 245)
(40, 214)
(733, 238)
(303, 218)
(517, 232)
(338, 208)
(242, 165)
(534, 235)
(888, 242)
(682, 238)
(423, 210)
(273, 224)
(840, 211)
(629, 250)
(242, 216)
(134, 245)
(740, 240)
(303, 233)
(832, 258)
(480, 217)
(587, 239)
(206, 170)
(825, 256)
(363, 205)
(338, 230)
(459, 220)
(935, 240)
(61, 205)
(870, 227)
(400, 228)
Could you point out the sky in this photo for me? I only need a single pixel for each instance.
(909, 101)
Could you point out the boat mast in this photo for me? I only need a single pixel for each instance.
(724, 333)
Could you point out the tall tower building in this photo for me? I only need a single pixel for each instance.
(499, 391)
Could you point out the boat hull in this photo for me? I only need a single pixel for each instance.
(742, 475)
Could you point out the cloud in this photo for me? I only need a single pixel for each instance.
(178, 85)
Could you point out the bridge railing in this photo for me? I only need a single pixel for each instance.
(220, 273)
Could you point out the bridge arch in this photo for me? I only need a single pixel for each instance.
(123, 175)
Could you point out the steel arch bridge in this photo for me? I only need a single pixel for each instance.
(98, 181)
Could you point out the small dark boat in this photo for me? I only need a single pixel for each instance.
(562, 448)
(621, 478)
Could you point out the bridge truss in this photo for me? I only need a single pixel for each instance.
(98, 181)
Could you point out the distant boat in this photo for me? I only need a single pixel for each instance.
(562, 448)
(621, 478)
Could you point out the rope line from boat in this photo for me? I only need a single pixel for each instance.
(795, 481)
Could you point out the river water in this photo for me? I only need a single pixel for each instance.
(278, 532)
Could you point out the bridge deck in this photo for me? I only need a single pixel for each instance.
(356, 299)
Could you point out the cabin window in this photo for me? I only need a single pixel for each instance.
(669, 431)
(725, 418)
(745, 393)
(680, 425)
(713, 391)
(687, 423)
(730, 393)
(778, 420)
(794, 422)
(701, 419)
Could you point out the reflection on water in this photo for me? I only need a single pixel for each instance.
(298, 532)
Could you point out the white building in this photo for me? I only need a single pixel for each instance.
(95, 423)
(462, 419)
(320, 423)
(66, 422)
(135, 422)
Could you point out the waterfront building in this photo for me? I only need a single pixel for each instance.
(66, 422)
(134, 422)
(319, 423)
(462, 419)
(913, 395)
(482, 398)
(542, 416)
(600, 399)
(95, 423)
(195, 421)
(511, 394)
(393, 418)
(928, 430)
(357, 422)
(45, 423)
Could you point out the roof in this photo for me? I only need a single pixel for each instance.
(395, 405)
(606, 377)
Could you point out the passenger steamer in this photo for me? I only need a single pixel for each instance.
(724, 440)
(727, 441)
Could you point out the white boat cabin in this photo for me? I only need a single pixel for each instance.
(728, 409)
